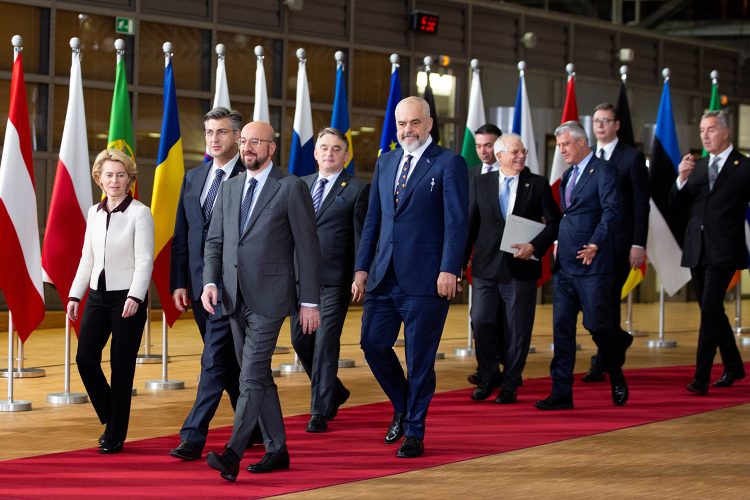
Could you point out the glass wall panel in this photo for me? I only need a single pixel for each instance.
(241, 63)
(97, 35)
(97, 104)
(320, 68)
(148, 127)
(192, 55)
(27, 22)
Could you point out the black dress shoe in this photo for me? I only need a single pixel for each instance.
(474, 379)
(110, 447)
(271, 462)
(187, 451)
(228, 464)
(482, 392)
(317, 423)
(506, 397)
(396, 429)
(620, 393)
(596, 373)
(102, 439)
(698, 387)
(411, 448)
(339, 399)
(554, 403)
(728, 378)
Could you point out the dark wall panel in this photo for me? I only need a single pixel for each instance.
(551, 51)
(644, 68)
(265, 14)
(189, 9)
(323, 18)
(683, 61)
(451, 35)
(383, 23)
(495, 36)
(593, 52)
(726, 64)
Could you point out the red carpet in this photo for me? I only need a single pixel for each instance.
(353, 448)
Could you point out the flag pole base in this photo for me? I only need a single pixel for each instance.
(67, 398)
(19, 405)
(740, 330)
(463, 352)
(148, 359)
(24, 373)
(280, 349)
(291, 368)
(439, 355)
(746, 341)
(347, 363)
(164, 385)
(659, 343)
(552, 347)
(637, 333)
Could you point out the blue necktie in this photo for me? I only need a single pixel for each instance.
(401, 185)
(318, 195)
(505, 196)
(247, 202)
(571, 185)
(208, 203)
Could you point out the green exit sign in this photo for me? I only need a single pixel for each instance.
(125, 25)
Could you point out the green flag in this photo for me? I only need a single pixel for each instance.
(474, 120)
(120, 122)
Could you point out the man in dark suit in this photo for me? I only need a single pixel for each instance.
(263, 223)
(504, 284)
(340, 203)
(585, 266)
(714, 192)
(408, 262)
(219, 368)
(632, 231)
(484, 141)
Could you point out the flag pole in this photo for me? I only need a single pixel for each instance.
(9, 404)
(164, 383)
(67, 397)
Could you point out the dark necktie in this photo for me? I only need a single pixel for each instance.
(601, 154)
(401, 185)
(247, 202)
(571, 185)
(713, 172)
(208, 203)
(318, 195)
(505, 196)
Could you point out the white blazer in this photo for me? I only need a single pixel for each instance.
(125, 251)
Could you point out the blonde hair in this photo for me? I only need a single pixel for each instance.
(118, 156)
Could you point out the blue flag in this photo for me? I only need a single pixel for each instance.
(340, 117)
(301, 158)
(389, 139)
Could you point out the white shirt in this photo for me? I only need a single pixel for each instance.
(329, 185)
(261, 177)
(581, 167)
(227, 169)
(486, 169)
(415, 156)
(608, 148)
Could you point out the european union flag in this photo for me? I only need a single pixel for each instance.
(389, 139)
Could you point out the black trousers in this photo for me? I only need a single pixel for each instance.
(102, 316)
(710, 285)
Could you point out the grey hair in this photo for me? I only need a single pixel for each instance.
(220, 112)
(501, 144)
(336, 133)
(573, 128)
(720, 115)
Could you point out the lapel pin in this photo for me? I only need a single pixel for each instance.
(343, 184)
(526, 185)
(432, 184)
(736, 162)
(591, 171)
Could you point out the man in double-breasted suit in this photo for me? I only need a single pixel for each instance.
(714, 192)
(504, 284)
(632, 230)
(408, 263)
(585, 266)
(262, 221)
(340, 204)
(219, 368)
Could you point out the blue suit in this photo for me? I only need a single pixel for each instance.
(219, 367)
(591, 217)
(404, 250)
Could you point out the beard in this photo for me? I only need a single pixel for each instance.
(255, 164)
(412, 146)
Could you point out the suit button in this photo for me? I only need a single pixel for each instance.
(701, 227)
(565, 215)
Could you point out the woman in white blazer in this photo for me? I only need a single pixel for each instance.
(115, 268)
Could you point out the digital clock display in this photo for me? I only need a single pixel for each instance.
(425, 22)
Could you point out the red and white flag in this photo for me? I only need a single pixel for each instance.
(21, 271)
(71, 195)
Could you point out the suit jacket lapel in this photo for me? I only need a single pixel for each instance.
(726, 170)
(237, 169)
(584, 176)
(341, 182)
(266, 194)
(522, 190)
(423, 165)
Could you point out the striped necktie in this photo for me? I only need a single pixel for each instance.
(208, 203)
(318, 195)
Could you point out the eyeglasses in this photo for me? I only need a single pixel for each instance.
(516, 152)
(253, 142)
(603, 121)
(222, 132)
